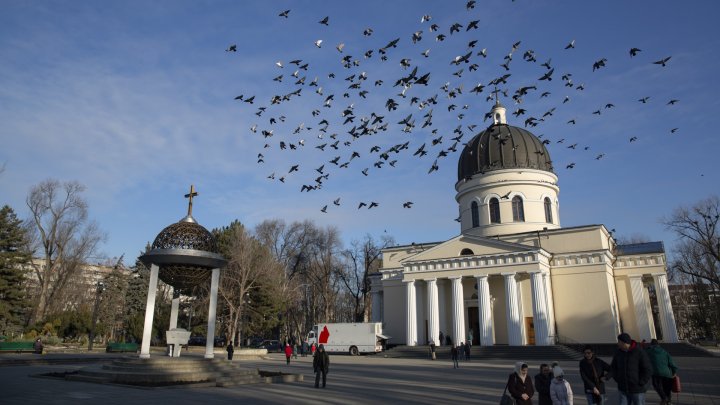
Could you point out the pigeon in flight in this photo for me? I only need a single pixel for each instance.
(284, 13)
(634, 51)
(662, 61)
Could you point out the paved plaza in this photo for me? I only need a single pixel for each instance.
(352, 380)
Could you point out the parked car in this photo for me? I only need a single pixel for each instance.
(197, 341)
(270, 345)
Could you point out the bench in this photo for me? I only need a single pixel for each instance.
(17, 347)
(121, 347)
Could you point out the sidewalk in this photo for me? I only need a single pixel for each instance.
(352, 380)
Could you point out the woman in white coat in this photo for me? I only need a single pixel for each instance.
(560, 391)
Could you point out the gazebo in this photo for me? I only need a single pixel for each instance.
(183, 255)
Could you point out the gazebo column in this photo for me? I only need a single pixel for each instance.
(667, 318)
(212, 314)
(174, 309)
(149, 312)
(485, 311)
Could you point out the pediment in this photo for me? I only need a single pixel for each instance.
(479, 246)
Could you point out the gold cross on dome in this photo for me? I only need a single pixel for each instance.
(190, 196)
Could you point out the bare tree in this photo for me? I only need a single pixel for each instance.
(362, 259)
(62, 237)
(697, 254)
(250, 265)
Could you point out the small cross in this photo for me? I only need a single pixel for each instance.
(190, 196)
(496, 91)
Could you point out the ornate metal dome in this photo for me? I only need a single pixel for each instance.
(503, 146)
(185, 252)
(185, 235)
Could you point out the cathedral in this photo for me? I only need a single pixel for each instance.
(514, 276)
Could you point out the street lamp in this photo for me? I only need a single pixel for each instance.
(100, 287)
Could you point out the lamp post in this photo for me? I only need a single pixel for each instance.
(100, 287)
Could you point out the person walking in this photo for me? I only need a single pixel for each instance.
(288, 352)
(321, 365)
(442, 339)
(467, 350)
(593, 372)
(38, 346)
(560, 390)
(304, 348)
(631, 369)
(432, 350)
(454, 356)
(520, 385)
(230, 350)
(664, 370)
(543, 379)
(313, 349)
(461, 350)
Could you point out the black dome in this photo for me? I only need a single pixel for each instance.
(186, 253)
(503, 146)
(186, 235)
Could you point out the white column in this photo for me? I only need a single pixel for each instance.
(667, 318)
(552, 334)
(149, 312)
(442, 309)
(174, 310)
(640, 304)
(485, 311)
(512, 310)
(539, 302)
(212, 311)
(458, 309)
(377, 306)
(433, 314)
(410, 313)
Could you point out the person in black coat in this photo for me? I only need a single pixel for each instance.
(632, 370)
(230, 350)
(321, 365)
(542, 384)
(520, 385)
(593, 371)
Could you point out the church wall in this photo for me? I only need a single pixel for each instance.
(583, 304)
(394, 311)
(422, 312)
(497, 292)
(566, 241)
(526, 302)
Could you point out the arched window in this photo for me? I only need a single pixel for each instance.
(466, 252)
(548, 211)
(475, 214)
(494, 211)
(518, 211)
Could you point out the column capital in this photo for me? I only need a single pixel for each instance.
(455, 278)
(663, 274)
(481, 276)
(507, 275)
(429, 280)
(409, 281)
(635, 275)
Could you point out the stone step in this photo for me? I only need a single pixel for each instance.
(548, 353)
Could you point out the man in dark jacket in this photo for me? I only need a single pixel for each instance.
(542, 384)
(592, 372)
(632, 370)
(321, 365)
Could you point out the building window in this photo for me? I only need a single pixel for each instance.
(548, 211)
(475, 214)
(466, 252)
(494, 211)
(517, 207)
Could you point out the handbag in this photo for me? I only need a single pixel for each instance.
(507, 399)
(676, 387)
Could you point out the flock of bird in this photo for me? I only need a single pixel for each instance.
(349, 105)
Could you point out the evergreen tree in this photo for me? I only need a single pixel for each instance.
(14, 257)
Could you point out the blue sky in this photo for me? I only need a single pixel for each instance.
(135, 100)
